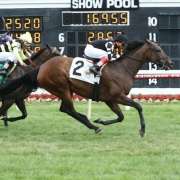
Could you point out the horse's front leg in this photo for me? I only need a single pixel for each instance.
(129, 102)
(67, 107)
(116, 109)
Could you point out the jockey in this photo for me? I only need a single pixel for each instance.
(14, 50)
(103, 51)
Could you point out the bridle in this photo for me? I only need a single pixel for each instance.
(157, 50)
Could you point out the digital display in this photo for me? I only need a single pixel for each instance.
(117, 18)
(18, 25)
(21, 23)
(83, 37)
(95, 18)
(96, 35)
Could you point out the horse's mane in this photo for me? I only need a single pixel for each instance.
(131, 46)
(35, 55)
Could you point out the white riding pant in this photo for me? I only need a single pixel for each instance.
(8, 56)
(93, 52)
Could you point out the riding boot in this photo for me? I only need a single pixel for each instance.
(95, 69)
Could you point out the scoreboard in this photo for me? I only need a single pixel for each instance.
(83, 21)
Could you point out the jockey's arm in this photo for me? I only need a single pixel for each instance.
(28, 53)
(17, 52)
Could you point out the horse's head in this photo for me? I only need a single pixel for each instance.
(156, 55)
(53, 51)
(44, 54)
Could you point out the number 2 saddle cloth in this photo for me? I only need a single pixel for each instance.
(80, 70)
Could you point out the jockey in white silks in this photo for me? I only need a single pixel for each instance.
(13, 51)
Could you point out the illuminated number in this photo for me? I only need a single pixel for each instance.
(37, 48)
(79, 64)
(88, 19)
(153, 66)
(91, 36)
(27, 23)
(105, 17)
(152, 21)
(36, 23)
(153, 81)
(17, 23)
(37, 37)
(61, 49)
(109, 35)
(152, 37)
(114, 19)
(61, 37)
(95, 18)
(9, 24)
(100, 35)
(123, 18)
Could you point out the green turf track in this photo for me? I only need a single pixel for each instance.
(50, 145)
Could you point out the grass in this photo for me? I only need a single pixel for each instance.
(50, 145)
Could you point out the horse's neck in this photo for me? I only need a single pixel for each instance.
(37, 63)
(39, 60)
(134, 62)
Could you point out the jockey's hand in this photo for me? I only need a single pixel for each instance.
(115, 56)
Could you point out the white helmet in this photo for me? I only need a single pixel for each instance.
(26, 37)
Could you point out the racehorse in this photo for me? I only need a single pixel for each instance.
(36, 60)
(116, 81)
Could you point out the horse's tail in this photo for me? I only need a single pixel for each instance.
(28, 80)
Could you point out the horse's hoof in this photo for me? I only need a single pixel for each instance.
(98, 131)
(141, 132)
(6, 124)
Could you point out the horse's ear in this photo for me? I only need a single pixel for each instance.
(56, 51)
(48, 46)
(148, 41)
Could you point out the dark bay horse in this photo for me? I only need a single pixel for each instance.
(116, 81)
(36, 60)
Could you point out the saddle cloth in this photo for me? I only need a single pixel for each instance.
(80, 70)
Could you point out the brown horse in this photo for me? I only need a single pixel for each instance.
(116, 81)
(36, 60)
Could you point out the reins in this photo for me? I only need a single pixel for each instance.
(31, 62)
